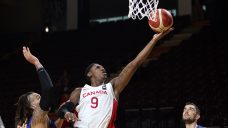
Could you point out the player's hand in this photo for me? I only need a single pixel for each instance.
(29, 56)
(70, 117)
(158, 36)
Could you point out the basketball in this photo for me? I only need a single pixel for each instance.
(162, 22)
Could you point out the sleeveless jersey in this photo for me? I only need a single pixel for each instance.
(97, 107)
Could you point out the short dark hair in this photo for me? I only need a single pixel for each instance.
(87, 70)
(197, 108)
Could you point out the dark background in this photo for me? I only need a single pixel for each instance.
(195, 69)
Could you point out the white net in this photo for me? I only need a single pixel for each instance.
(141, 8)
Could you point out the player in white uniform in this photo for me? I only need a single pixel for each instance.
(100, 102)
(97, 102)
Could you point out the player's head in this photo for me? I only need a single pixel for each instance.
(25, 106)
(191, 113)
(95, 71)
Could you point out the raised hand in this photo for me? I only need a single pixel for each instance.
(158, 36)
(31, 58)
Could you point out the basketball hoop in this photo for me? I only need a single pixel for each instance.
(141, 8)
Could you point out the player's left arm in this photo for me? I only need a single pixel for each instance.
(40, 114)
(126, 74)
(47, 89)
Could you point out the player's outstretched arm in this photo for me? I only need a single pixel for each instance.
(47, 89)
(126, 74)
(31, 58)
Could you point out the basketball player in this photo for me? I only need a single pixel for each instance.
(190, 116)
(97, 102)
(32, 108)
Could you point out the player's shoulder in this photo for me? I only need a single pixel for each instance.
(78, 89)
(109, 84)
(75, 94)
